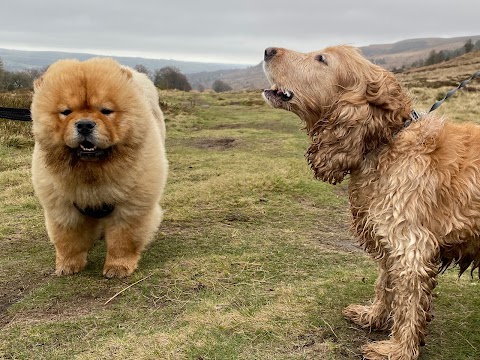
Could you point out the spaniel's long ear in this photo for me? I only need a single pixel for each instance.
(338, 146)
(370, 108)
(365, 117)
(383, 90)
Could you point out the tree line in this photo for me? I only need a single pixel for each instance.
(169, 77)
(435, 57)
(15, 80)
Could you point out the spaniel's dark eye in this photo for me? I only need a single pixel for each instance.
(66, 112)
(321, 58)
(106, 111)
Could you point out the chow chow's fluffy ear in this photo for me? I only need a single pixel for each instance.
(127, 72)
(37, 83)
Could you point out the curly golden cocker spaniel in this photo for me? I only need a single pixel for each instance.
(414, 186)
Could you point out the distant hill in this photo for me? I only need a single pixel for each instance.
(449, 73)
(405, 52)
(389, 56)
(239, 79)
(17, 60)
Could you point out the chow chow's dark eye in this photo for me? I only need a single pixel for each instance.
(321, 58)
(106, 111)
(66, 112)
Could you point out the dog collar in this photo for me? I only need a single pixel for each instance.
(96, 212)
(414, 116)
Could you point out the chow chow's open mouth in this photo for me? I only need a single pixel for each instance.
(278, 94)
(88, 151)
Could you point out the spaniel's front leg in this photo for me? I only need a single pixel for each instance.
(412, 272)
(377, 315)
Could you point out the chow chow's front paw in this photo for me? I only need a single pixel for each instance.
(70, 267)
(118, 270)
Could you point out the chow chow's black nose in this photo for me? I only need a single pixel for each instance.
(269, 53)
(85, 127)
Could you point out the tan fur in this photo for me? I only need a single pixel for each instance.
(414, 191)
(132, 177)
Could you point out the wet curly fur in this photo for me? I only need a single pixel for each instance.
(414, 190)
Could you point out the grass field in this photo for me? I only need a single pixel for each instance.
(253, 260)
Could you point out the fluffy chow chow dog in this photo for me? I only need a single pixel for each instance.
(414, 185)
(99, 164)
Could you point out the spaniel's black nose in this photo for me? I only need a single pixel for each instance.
(269, 53)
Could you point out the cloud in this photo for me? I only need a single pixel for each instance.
(223, 31)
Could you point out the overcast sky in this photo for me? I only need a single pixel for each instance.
(223, 30)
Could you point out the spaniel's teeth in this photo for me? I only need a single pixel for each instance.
(287, 93)
(274, 87)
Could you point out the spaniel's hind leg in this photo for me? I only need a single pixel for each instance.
(377, 315)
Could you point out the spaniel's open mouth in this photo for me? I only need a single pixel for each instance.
(279, 94)
(88, 151)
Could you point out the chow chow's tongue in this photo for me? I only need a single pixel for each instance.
(86, 146)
